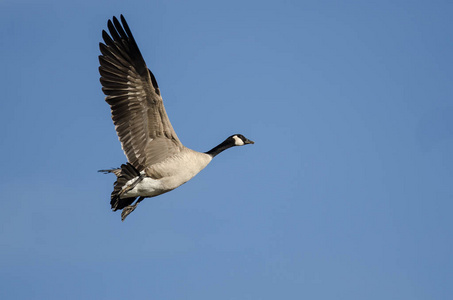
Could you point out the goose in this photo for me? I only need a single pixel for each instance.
(157, 161)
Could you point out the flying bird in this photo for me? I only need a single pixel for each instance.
(157, 161)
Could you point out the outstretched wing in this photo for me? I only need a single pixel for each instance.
(131, 90)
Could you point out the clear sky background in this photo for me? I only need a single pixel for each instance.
(347, 193)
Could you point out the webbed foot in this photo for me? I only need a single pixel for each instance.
(130, 208)
(127, 210)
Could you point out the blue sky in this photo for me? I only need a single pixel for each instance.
(347, 193)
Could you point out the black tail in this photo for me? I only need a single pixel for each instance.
(124, 174)
(117, 172)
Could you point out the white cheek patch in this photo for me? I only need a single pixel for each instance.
(238, 141)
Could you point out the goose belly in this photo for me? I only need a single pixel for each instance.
(171, 173)
(147, 187)
(181, 168)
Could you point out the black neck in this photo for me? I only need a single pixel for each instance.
(219, 148)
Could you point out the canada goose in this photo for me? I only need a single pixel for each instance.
(157, 161)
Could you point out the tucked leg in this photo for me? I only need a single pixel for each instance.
(130, 208)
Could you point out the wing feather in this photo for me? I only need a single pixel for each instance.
(141, 122)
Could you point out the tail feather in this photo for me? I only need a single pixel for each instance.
(116, 171)
(125, 173)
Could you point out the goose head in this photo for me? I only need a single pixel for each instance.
(231, 141)
(239, 140)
